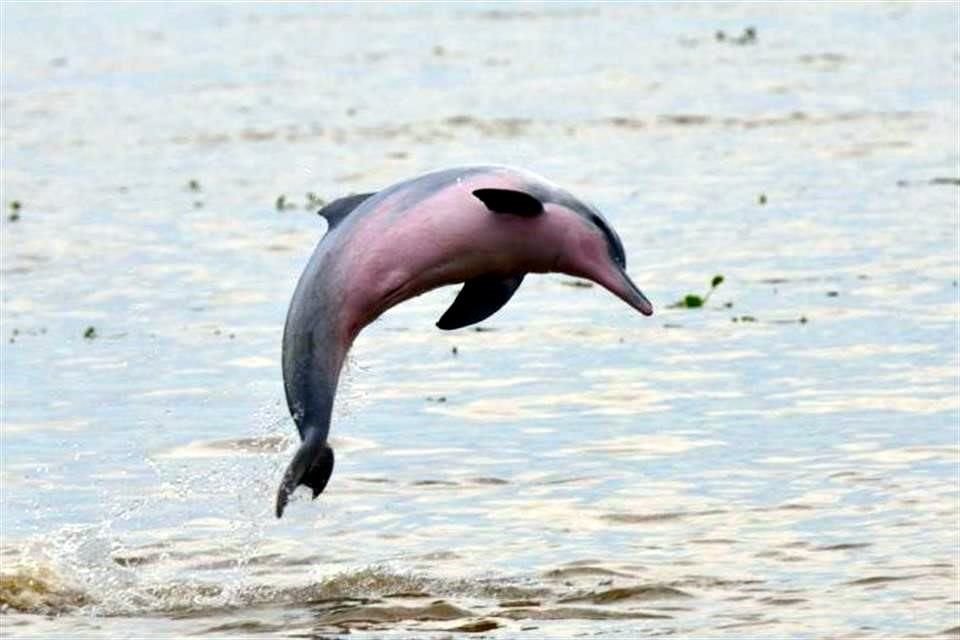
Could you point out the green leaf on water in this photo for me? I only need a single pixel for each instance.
(313, 201)
(693, 301)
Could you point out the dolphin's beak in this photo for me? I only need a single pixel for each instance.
(629, 293)
(615, 280)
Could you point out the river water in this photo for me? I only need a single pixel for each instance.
(782, 462)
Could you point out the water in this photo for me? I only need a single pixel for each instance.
(783, 462)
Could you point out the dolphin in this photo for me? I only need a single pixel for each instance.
(484, 226)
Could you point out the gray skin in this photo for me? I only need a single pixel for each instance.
(485, 226)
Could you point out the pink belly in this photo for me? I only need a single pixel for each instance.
(448, 237)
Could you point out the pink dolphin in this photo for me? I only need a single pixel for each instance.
(485, 226)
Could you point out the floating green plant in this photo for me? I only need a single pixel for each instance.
(314, 201)
(694, 301)
(749, 36)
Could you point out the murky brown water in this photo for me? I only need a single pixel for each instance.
(782, 463)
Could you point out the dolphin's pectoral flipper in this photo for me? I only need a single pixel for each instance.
(516, 203)
(479, 299)
(312, 465)
(341, 207)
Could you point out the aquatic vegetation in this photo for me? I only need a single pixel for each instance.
(14, 211)
(281, 203)
(749, 36)
(694, 301)
(314, 201)
(937, 181)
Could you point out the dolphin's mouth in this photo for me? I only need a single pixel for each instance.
(634, 297)
(643, 305)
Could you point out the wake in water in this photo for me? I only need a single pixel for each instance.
(364, 598)
(229, 562)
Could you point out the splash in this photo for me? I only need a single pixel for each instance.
(38, 590)
(42, 590)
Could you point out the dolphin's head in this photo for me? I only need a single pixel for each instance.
(594, 251)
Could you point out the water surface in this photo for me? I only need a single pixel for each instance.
(783, 462)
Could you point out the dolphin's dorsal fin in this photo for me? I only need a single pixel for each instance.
(479, 299)
(339, 208)
(518, 203)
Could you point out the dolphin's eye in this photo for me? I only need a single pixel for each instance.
(614, 245)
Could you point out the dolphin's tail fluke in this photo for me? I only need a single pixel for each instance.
(312, 466)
